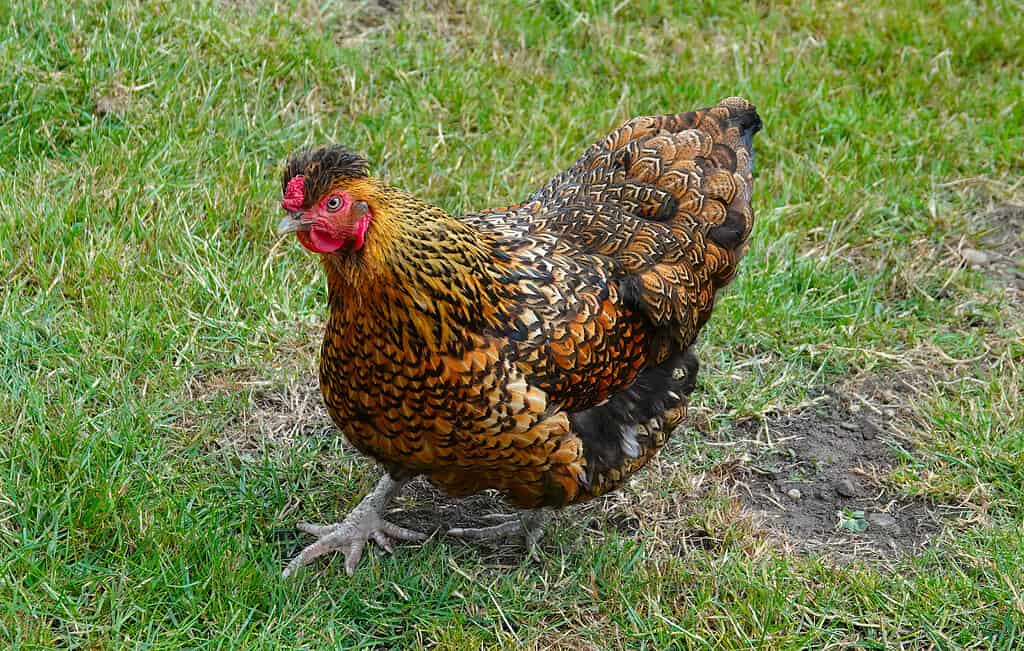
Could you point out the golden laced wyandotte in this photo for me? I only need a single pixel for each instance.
(544, 349)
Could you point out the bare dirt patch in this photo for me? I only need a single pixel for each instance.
(817, 476)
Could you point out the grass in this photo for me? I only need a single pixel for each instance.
(147, 313)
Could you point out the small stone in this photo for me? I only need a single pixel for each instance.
(882, 520)
(975, 258)
(848, 426)
(794, 494)
(846, 488)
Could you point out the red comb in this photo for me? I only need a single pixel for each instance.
(294, 194)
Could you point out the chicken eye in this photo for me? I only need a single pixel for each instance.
(333, 203)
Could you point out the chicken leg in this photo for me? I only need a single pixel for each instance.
(350, 536)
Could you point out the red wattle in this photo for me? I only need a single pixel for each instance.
(322, 237)
(322, 240)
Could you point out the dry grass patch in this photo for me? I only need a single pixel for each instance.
(250, 412)
(275, 415)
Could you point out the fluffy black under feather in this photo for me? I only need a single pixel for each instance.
(606, 430)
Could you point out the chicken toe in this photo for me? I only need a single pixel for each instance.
(351, 535)
(529, 524)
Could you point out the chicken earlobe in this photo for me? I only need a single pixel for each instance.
(350, 536)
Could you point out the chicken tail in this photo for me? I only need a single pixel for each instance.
(691, 174)
(694, 171)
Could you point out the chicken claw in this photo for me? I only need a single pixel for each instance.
(350, 536)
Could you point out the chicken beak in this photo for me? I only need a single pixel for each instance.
(291, 223)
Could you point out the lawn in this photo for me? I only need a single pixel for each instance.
(160, 424)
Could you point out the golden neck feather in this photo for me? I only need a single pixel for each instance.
(420, 267)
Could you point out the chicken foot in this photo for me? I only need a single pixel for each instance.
(530, 524)
(350, 536)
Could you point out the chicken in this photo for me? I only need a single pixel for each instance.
(544, 349)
